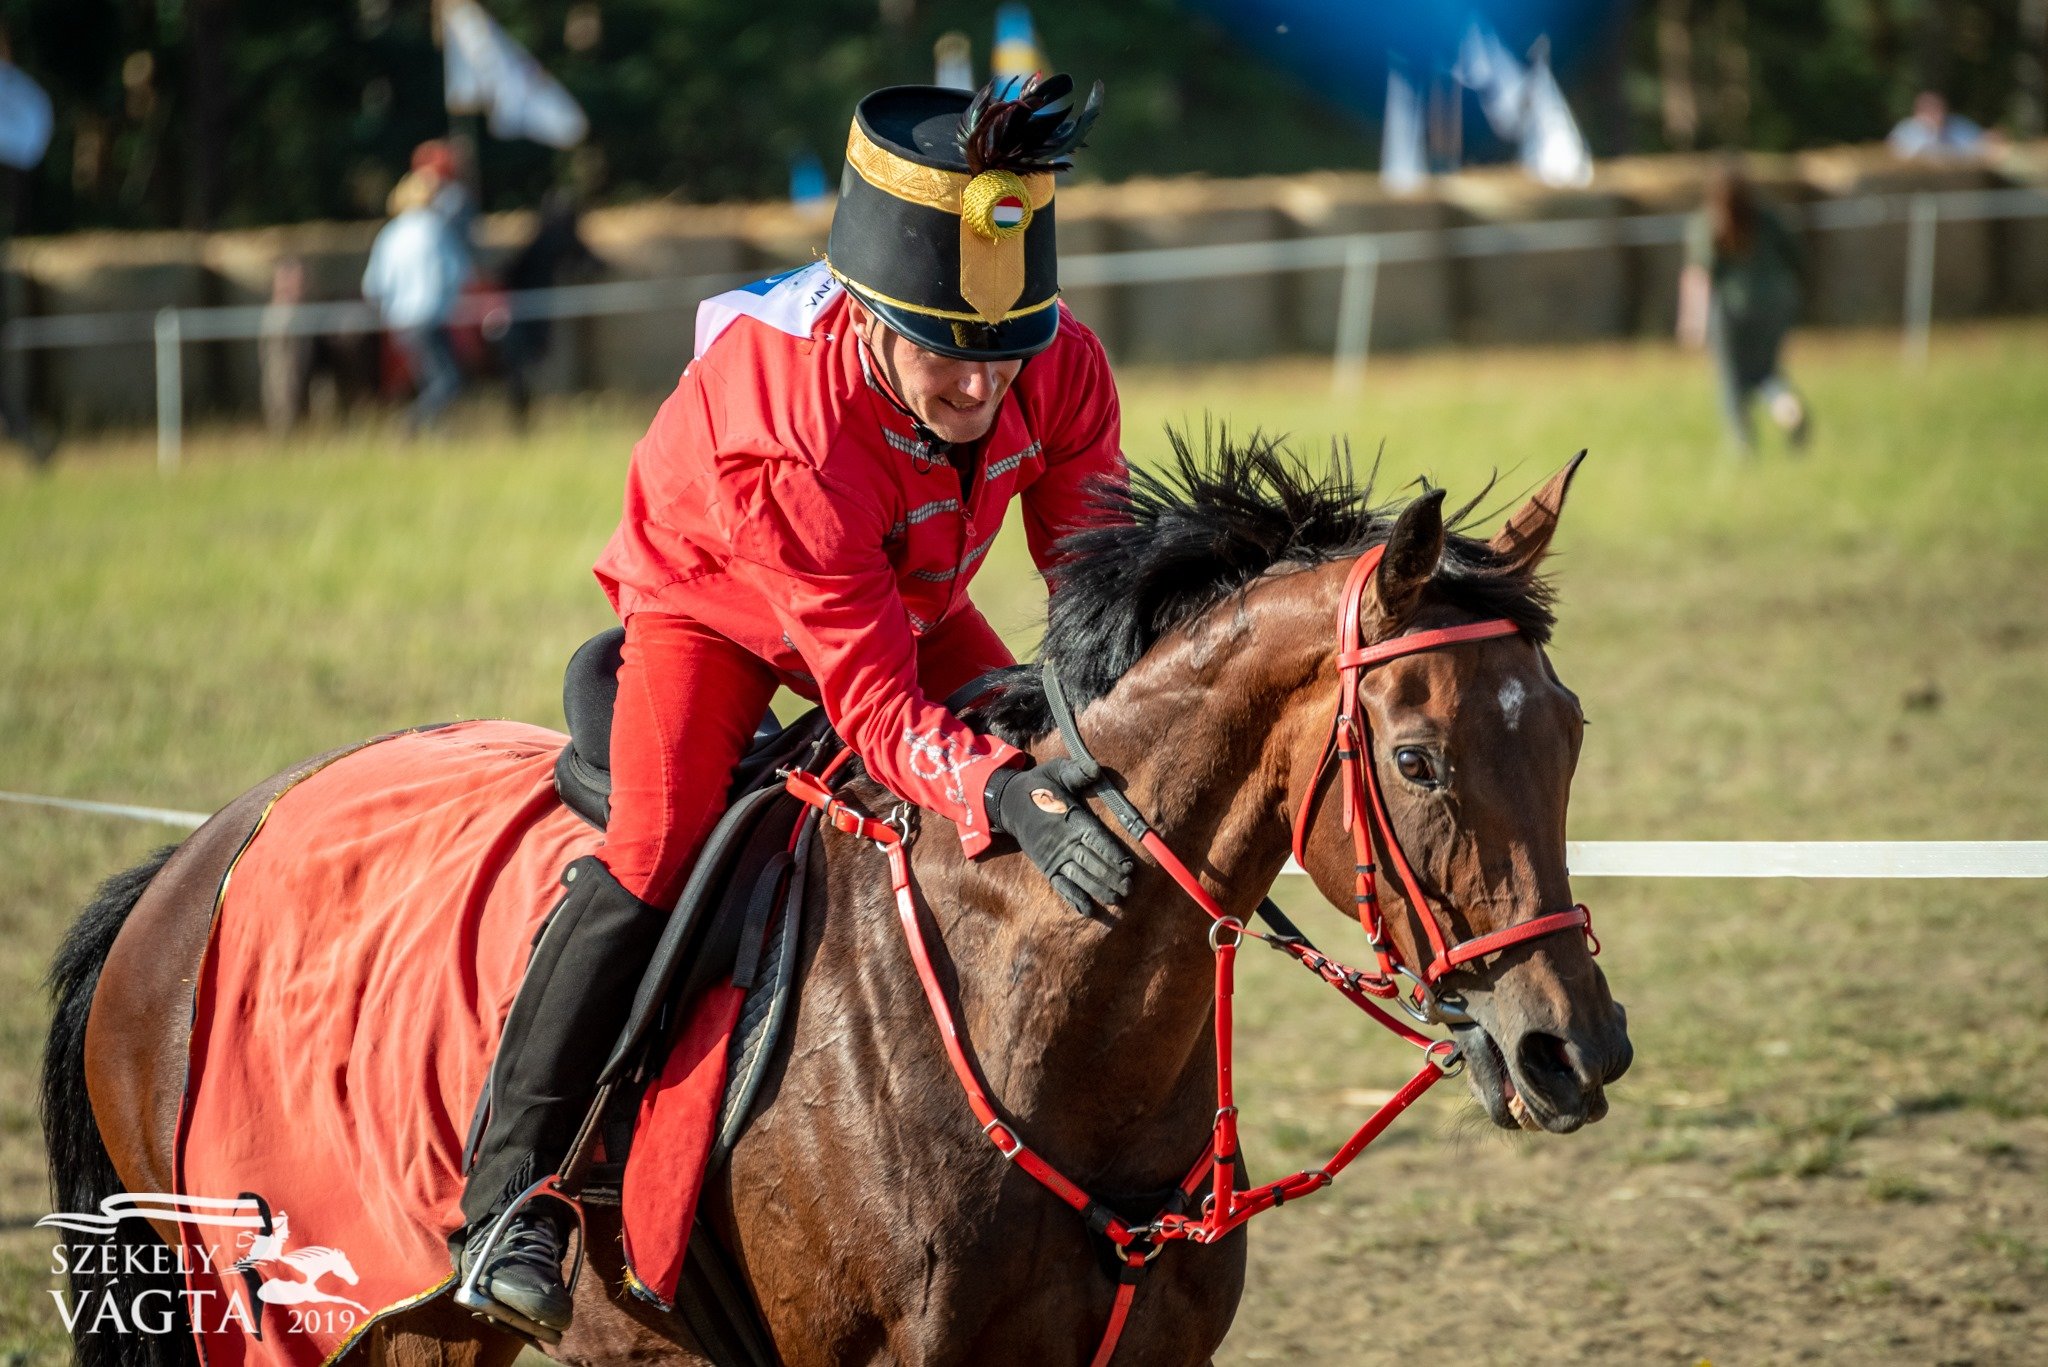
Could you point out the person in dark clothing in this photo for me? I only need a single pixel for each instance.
(1738, 296)
(35, 441)
(556, 250)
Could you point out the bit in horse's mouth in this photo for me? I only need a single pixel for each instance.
(1510, 1097)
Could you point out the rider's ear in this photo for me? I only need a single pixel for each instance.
(1413, 549)
(1526, 537)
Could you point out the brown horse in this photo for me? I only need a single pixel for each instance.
(870, 1215)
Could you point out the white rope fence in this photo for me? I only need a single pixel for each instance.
(1585, 858)
(1358, 255)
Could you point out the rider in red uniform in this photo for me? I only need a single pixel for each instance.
(807, 511)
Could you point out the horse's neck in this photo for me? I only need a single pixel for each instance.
(1100, 1036)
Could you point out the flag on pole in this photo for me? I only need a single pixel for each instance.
(1553, 151)
(1016, 58)
(1496, 76)
(1525, 103)
(487, 72)
(24, 119)
(1404, 165)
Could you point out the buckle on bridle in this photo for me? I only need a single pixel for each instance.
(1016, 1141)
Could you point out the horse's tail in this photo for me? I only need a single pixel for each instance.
(81, 1171)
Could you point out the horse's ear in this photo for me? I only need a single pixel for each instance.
(1414, 548)
(1526, 537)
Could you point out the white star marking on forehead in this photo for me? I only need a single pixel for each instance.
(1511, 695)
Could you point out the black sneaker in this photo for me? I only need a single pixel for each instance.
(522, 1286)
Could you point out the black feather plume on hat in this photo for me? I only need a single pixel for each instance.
(1039, 130)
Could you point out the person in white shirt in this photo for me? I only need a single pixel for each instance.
(416, 273)
(1932, 132)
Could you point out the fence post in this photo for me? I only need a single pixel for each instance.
(170, 391)
(1354, 315)
(1921, 217)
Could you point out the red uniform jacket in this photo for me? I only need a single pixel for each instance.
(780, 499)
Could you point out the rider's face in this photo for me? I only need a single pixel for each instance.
(956, 399)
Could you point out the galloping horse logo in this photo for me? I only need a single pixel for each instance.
(310, 1263)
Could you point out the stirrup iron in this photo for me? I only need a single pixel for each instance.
(470, 1294)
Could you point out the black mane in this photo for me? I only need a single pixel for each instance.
(1186, 538)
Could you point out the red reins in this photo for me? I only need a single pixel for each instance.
(1225, 1205)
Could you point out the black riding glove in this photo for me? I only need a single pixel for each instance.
(1076, 853)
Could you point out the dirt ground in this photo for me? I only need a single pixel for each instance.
(1797, 1222)
(1833, 1146)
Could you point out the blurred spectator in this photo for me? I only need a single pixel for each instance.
(35, 441)
(25, 122)
(953, 61)
(284, 355)
(415, 274)
(555, 250)
(1739, 296)
(1933, 132)
(451, 162)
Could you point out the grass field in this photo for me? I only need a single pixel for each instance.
(1834, 1144)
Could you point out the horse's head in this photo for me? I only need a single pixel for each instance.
(1473, 745)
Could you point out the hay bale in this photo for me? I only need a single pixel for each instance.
(1539, 296)
(125, 273)
(1085, 230)
(1858, 274)
(1231, 318)
(1412, 300)
(646, 352)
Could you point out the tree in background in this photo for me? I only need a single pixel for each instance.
(205, 112)
(1777, 75)
(210, 112)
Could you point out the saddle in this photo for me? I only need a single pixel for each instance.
(738, 919)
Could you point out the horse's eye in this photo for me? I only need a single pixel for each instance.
(1416, 766)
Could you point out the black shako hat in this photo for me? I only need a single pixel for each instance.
(944, 227)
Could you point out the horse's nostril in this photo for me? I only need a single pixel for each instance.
(1544, 1056)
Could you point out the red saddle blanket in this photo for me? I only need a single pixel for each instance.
(366, 949)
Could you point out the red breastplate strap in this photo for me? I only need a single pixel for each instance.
(1210, 1187)
(1224, 1206)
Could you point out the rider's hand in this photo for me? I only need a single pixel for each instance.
(1076, 853)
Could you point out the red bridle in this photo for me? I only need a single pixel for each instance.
(1365, 809)
(1225, 1205)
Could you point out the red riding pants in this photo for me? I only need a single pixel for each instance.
(689, 702)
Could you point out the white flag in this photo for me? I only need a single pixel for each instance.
(1403, 164)
(24, 119)
(488, 72)
(1552, 149)
(1489, 70)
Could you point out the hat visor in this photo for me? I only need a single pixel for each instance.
(1008, 340)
